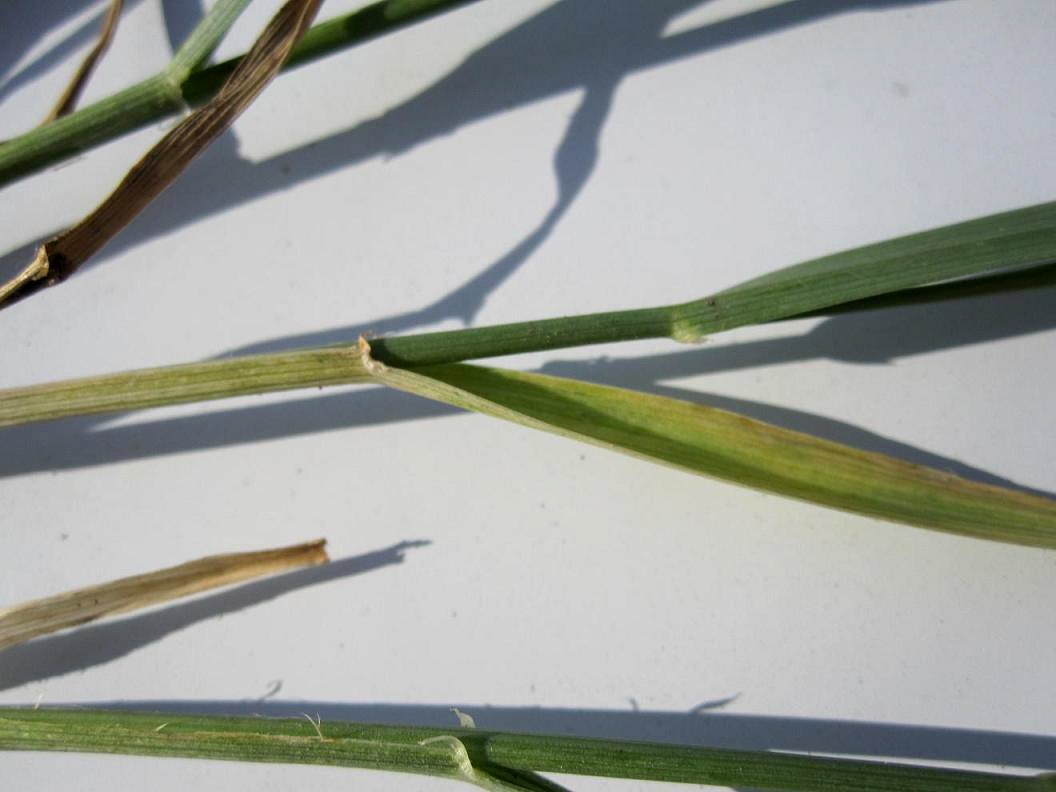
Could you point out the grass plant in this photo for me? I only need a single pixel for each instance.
(1010, 251)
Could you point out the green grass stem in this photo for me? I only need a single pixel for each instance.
(1011, 239)
(692, 437)
(177, 86)
(495, 760)
(127, 110)
(896, 267)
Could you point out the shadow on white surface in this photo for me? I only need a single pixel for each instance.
(545, 56)
(696, 726)
(96, 644)
(180, 17)
(22, 28)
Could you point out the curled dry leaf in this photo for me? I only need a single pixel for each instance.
(39, 617)
(61, 257)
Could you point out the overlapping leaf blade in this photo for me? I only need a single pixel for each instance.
(729, 446)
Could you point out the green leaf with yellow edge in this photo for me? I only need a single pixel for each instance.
(733, 447)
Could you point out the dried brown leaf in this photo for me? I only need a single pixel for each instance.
(61, 257)
(39, 617)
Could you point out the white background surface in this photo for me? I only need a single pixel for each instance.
(515, 160)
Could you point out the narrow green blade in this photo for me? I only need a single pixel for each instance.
(728, 446)
(1010, 239)
(1039, 276)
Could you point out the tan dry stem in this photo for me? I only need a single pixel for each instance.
(39, 617)
(36, 270)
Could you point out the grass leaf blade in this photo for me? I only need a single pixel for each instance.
(728, 446)
(1009, 239)
(1041, 276)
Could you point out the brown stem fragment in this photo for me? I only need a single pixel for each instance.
(71, 608)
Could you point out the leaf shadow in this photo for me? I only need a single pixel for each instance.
(21, 30)
(100, 643)
(181, 17)
(18, 34)
(45, 61)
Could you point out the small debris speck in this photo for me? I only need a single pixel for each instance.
(464, 720)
